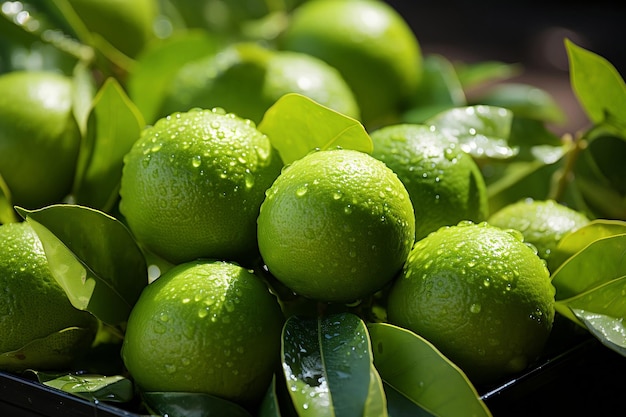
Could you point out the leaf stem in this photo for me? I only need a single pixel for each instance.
(563, 177)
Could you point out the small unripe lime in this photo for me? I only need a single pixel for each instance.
(39, 137)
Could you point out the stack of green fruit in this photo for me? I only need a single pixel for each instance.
(284, 208)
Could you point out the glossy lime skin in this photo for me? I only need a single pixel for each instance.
(336, 226)
(445, 184)
(370, 44)
(246, 79)
(193, 183)
(478, 293)
(33, 306)
(39, 137)
(205, 326)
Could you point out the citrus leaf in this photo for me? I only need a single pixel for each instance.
(93, 257)
(474, 74)
(114, 125)
(574, 242)
(191, 404)
(598, 86)
(599, 175)
(82, 95)
(419, 373)
(7, 214)
(602, 310)
(55, 350)
(529, 133)
(599, 262)
(516, 180)
(524, 100)
(483, 131)
(398, 405)
(158, 64)
(92, 387)
(297, 125)
(439, 90)
(270, 406)
(328, 367)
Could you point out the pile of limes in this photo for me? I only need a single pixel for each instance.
(206, 191)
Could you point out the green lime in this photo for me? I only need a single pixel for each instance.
(208, 327)
(246, 79)
(127, 25)
(445, 184)
(480, 294)
(542, 222)
(371, 45)
(40, 328)
(39, 137)
(336, 225)
(192, 186)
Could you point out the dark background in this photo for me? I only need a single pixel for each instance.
(530, 33)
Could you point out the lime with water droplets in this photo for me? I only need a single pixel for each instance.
(480, 294)
(193, 183)
(208, 327)
(336, 225)
(444, 183)
(39, 326)
(542, 222)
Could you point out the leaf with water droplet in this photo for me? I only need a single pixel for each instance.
(191, 404)
(93, 257)
(602, 311)
(483, 131)
(524, 100)
(297, 125)
(115, 388)
(419, 378)
(327, 362)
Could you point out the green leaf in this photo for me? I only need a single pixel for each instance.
(92, 387)
(574, 242)
(328, 367)
(599, 175)
(602, 310)
(483, 131)
(421, 375)
(93, 257)
(439, 90)
(599, 87)
(508, 182)
(55, 350)
(527, 133)
(7, 214)
(524, 100)
(475, 74)
(599, 262)
(156, 67)
(270, 406)
(83, 94)
(190, 404)
(114, 125)
(297, 125)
